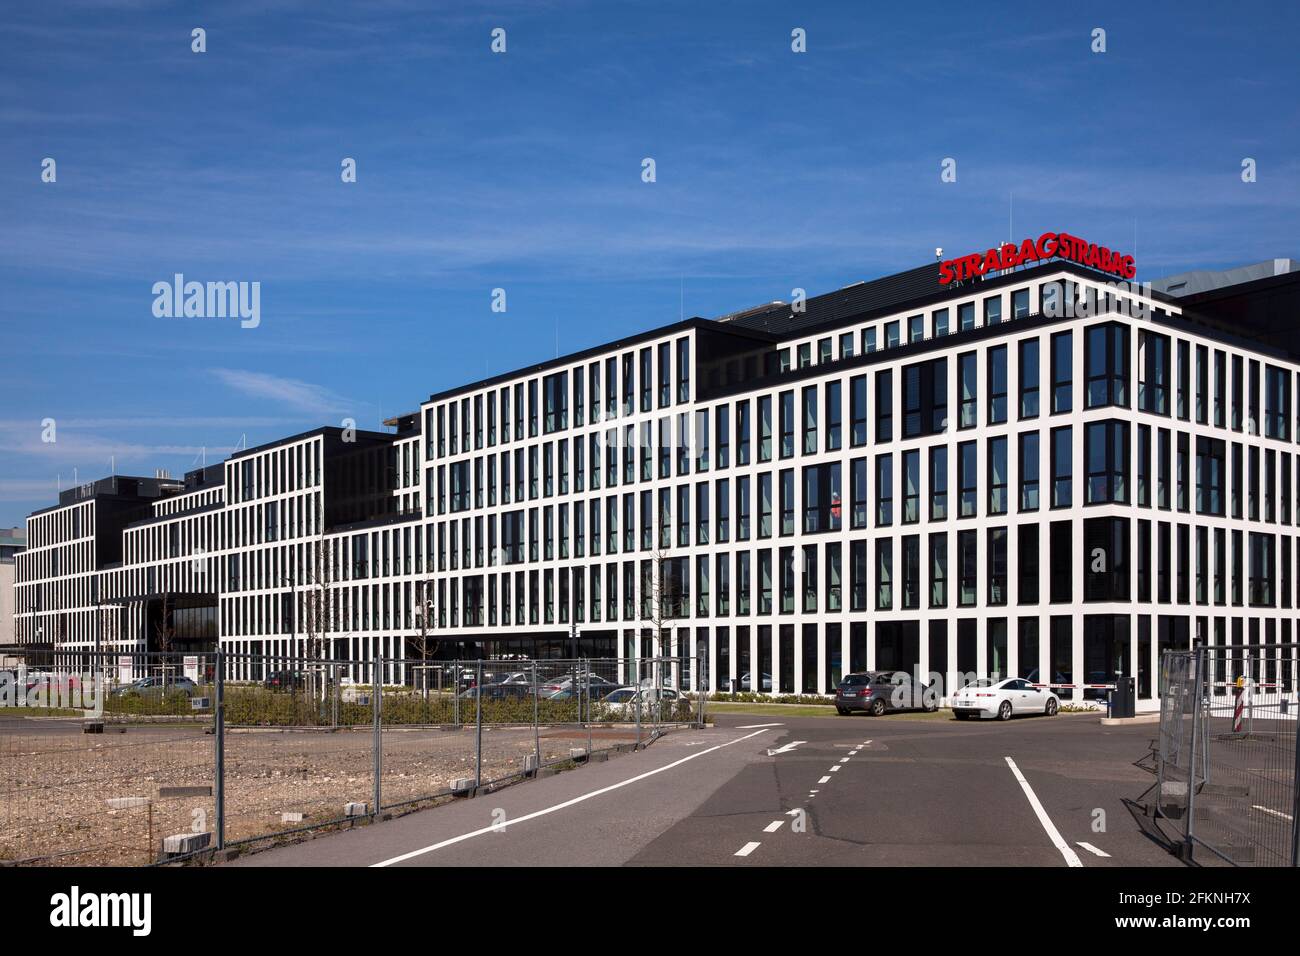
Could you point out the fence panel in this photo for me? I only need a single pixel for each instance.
(1229, 753)
(298, 740)
(228, 749)
(111, 796)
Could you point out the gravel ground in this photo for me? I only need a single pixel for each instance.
(55, 786)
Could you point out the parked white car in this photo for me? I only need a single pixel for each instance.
(622, 702)
(1003, 699)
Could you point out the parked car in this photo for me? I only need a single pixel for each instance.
(564, 685)
(622, 701)
(158, 687)
(1003, 699)
(284, 680)
(499, 691)
(765, 681)
(879, 691)
(515, 677)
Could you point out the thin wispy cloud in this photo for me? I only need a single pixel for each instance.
(290, 392)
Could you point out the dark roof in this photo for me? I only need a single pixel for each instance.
(884, 293)
(1264, 309)
(695, 322)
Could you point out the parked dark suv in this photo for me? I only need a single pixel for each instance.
(879, 691)
(284, 680)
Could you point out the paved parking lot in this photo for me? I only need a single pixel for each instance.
(801, 791)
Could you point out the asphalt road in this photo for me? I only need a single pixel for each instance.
(852, 791)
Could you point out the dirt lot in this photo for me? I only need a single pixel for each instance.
(56, 783)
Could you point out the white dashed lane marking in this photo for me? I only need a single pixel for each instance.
(824, 780)
(747, 849)
(773, 826)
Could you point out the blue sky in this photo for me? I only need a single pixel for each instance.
(522, 171)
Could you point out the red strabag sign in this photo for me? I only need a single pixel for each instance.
(1050, 245)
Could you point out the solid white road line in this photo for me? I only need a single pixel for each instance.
(1093, 850)
(493, 828)
(756, 726)
(747, 849)
(1276, 813)
(1071, 858)
(773, 826)
(824, 780)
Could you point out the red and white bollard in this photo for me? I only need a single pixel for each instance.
(1239, 705)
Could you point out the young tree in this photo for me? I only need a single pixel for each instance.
(423, 612)
(316, 605)
(660, 599)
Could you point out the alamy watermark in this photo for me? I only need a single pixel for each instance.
(208, 300)
(61, 690)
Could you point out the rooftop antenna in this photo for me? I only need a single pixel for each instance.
(112, 464)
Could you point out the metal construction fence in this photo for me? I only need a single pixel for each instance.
(1228, 755)
(130, 759)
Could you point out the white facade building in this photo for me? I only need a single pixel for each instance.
(1032, 474)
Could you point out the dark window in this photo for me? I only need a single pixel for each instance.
(884, 405)
(938, 482)
(1062, 564)
(997, 475)
(1153, 386)
(967, 543)
(1062, 468)
(966, 390)
(1106, 359)
(1027, 561)
(997, 566)
(858, 411)
(925, 398)
(968, 479)
(997, 382)
(1210, 462)
(1108, 462)
(1029, 378)
(1029, 467)
(821, 498)
(1062, 372)
(1105, 559)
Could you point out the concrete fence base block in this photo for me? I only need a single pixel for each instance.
(599, 756)
(185, 791)
(180, 843)
(462, 786)
(577, 753)
(92, 727)
(126, 803)
(355, 809)
(292, 817)
(530, 764)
